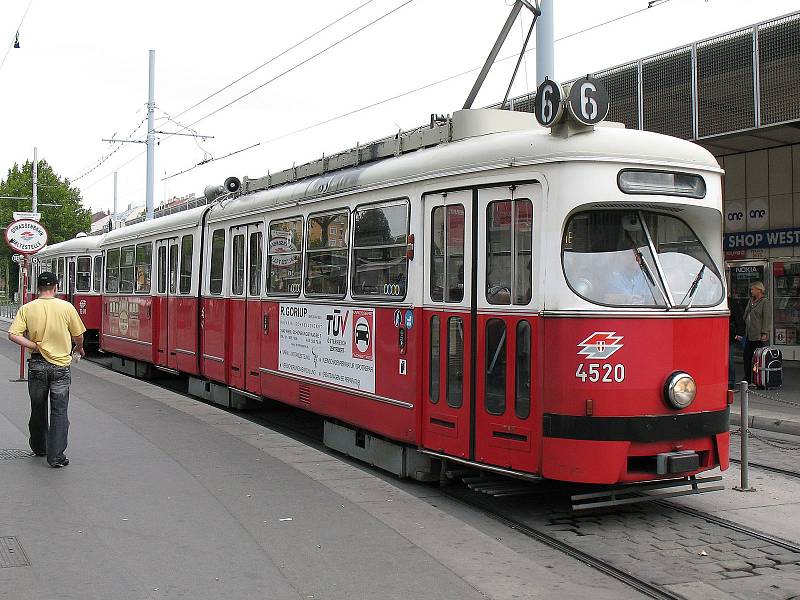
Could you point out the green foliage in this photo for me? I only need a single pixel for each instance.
(62, 222)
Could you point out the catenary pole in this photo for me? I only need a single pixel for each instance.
(115, 193)
(151, 106)
(545, 63)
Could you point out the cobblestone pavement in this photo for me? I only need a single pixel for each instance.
(770, 450)
(686, 554)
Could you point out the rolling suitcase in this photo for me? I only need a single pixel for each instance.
(767, 367)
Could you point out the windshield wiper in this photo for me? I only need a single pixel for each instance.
(647, 273)
(693, 288)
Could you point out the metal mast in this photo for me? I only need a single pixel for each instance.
(151, 134)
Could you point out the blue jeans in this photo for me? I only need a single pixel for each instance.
(46, 379)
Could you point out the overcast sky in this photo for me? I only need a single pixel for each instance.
(81, 75)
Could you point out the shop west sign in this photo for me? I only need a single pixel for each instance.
(26, 236)
(771, 238)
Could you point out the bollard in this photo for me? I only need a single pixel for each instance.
(744, 401)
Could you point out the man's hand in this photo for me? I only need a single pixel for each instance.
(80, 351)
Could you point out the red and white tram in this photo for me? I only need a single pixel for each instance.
(79, 266)
(544, 304)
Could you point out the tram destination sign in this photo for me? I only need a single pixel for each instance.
(770, 238)
(26, 236)
(333, 344)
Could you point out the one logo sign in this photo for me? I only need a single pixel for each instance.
(33, 216)
(26, 236)
(548, 105)
(398, 318)
(735, 217)
(409, 318)
(362, 334)
(600, 345)
(82, 304)
(757, 214)
(588, 101)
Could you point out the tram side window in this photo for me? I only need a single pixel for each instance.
(433, 392)
(254, 285)
(162, 269)
(495, 376)
(83, 283)
(237, 260)
(380, 266)
(60, 274)
(455, 362)
(144, 260)
(217, 262)
(187, 243)
(522, 385)
(98, 273)
(326, 254)
(285, 254)
(509, 227)
(127, 260)
(447, 254)
(112, 271)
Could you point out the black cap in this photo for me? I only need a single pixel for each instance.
(47, 279)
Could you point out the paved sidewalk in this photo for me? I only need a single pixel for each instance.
(167, 497)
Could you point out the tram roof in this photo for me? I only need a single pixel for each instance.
(169, 223)
(482, 152)
(77, 245)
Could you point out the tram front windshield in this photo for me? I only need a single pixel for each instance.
(638, 259)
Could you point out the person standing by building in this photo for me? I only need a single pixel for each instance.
(757, 320)
(735, 330)
(48, 327)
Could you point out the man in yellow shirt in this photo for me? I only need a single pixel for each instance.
(48, 327)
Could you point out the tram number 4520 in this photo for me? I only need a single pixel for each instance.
(602, 373)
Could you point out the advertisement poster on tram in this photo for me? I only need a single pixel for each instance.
(333, 344)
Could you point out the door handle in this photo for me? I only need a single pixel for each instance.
(266, 323)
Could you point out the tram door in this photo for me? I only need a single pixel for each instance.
(505, 425)
(71, 280)
(447, 323)
(244, 329)
(167, 290)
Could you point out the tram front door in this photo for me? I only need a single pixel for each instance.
(447, 323)
(480, 326)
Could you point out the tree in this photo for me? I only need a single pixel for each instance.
(62, 222)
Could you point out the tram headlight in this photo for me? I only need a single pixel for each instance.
(680, 389)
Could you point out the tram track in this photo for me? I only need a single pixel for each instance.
(647, 588)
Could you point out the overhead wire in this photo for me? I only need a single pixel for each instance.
(117, 145)
(293, 68)
(11, 45)
(397, 96)
(107, 156)
(274, 58)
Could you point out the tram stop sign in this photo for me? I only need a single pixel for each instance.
(26, 236)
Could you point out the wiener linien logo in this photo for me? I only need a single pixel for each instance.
(600, 345)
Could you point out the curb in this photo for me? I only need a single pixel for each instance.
(768, 424)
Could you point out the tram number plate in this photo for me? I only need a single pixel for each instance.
(600, 373)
